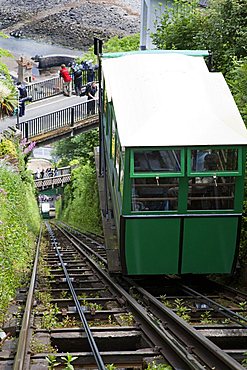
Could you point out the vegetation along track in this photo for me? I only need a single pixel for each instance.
(98, 320)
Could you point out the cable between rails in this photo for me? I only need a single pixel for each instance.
(93, 346)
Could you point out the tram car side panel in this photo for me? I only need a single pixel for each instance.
(114, 167)
(212, 245)
(151, 245)
(177, 208)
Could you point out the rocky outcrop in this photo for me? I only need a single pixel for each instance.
(69, 23)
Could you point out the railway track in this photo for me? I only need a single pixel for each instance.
(80, 310)
(214, 310)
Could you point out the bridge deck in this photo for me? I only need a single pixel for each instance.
(66, 131)
(54, 118)
(42, 107)
(52, 178)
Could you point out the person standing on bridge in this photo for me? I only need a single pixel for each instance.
(22, 91)
(91, 91)
(67, 80)
(77, 80)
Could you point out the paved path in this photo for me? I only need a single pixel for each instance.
(43, 107)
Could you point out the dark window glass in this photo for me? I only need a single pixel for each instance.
(212, 192)
(154, 194)
(157, 161)
(214, 160)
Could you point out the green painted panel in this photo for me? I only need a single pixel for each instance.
(209, 244)
(152, 245)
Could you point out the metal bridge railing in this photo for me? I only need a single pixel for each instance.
(64, 117)
(51, 182)
(45, 89)
(53, 86)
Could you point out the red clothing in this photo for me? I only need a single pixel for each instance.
(64, 73)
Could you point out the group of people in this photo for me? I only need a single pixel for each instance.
(45, 198)
(74, 75)
(49, 172)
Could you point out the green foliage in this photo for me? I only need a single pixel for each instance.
(243, 308)
(70, 322)
(5, 53)
(78, 147)
(8, 92)
(115, 44)
(68, 359)
(127, 43)
(7, 147)
(237, 79)
(206, 318)
(182, 310)
(19, 225)
(126, 319)
(220, 28)
(8, 98)
(37, 346)
(179, 26)
(244, 362)
(80, 206)
(49, 319)
(3, 35)
(154, 366)
(110, 367)
(52, 362)
(165, 301)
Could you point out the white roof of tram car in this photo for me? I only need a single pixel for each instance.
(171, 100)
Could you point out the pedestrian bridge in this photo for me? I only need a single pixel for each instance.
(52, 116)
(55, 178)
(60, 123)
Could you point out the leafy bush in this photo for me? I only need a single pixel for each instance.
(80, 206)
(7, 147)
(127, 43)
(19, 225)
(80, 147)
(115, 44)
(237, 79)
(220, 28)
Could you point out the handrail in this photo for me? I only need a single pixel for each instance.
(53, 86)
(57, 119)
(44, 89)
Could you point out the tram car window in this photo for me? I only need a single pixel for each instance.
(174, 165)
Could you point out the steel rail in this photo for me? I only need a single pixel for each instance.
(22, 341)
(206, 350)
(223, 310)
(169, 346)
(93, 346)
(88, 235)
(229, 289)
(62, 230)
(220, 358)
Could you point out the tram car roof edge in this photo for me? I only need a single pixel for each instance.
(171, 99)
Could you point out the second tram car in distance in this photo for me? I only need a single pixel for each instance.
(175, 146)
(47, 210)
